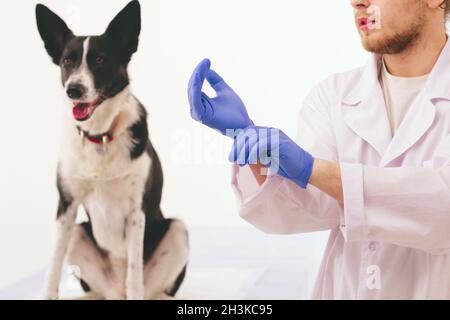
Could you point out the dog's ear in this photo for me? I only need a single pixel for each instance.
(124, 30)
(53, 31)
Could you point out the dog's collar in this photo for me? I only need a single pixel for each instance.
(101, 139)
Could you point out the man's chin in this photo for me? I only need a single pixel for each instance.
(372, 42)
(378, 42)
(378, 46)
(371, 47)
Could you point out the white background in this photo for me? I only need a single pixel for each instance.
(271, 51)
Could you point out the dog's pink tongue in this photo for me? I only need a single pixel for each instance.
(81, 111)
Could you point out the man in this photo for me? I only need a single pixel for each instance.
(371, 161)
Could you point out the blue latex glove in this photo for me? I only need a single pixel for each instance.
(273, 148)
(225, 111)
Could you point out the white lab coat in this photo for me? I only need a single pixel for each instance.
(391, 239)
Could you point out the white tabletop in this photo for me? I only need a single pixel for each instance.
(227, 263)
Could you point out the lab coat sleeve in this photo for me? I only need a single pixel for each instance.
(406, 206)
(281, 207)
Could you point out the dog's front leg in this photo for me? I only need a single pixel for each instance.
(64, 224)
(135, 272)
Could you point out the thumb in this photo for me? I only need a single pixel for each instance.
(216, 81)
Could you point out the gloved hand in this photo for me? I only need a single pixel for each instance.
(226, 111)
(272, 147)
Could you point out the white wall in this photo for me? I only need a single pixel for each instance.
(272, 52)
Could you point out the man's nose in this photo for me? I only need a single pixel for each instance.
(75, 90)
(360, 4)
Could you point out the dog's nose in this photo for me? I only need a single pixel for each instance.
(75, 91)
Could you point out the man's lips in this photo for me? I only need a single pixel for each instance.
(82, 111)
(365, 23)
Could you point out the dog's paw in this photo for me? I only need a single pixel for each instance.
(118, 293)
(50, 295)
(135, 292)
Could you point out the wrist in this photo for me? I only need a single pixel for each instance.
(304, 178)
(326, 176)
(233, 133)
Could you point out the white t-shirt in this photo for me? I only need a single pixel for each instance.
(399, 94)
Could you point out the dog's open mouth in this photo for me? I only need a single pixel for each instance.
(82, 111)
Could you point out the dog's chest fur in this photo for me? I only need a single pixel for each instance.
(110, 184)
(109, 204)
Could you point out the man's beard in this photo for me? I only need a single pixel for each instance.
(397, 43)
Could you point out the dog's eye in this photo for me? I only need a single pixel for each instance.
(67, 61)
(99, 60)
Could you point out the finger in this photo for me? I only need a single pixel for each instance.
(201, 68)
(253, 156)
(242, 153)
(207, 107)
(239, 137)
(197, 80)
(275, 137)
(233, 153)
(195, 89)
(248, 140)
(261, 152)
(238, 144)
(216, 81)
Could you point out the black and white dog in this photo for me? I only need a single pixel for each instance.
(127, 249)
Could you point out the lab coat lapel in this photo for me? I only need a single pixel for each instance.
(369, 120)
(421, 115)
(416, 123)
(364, 109)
